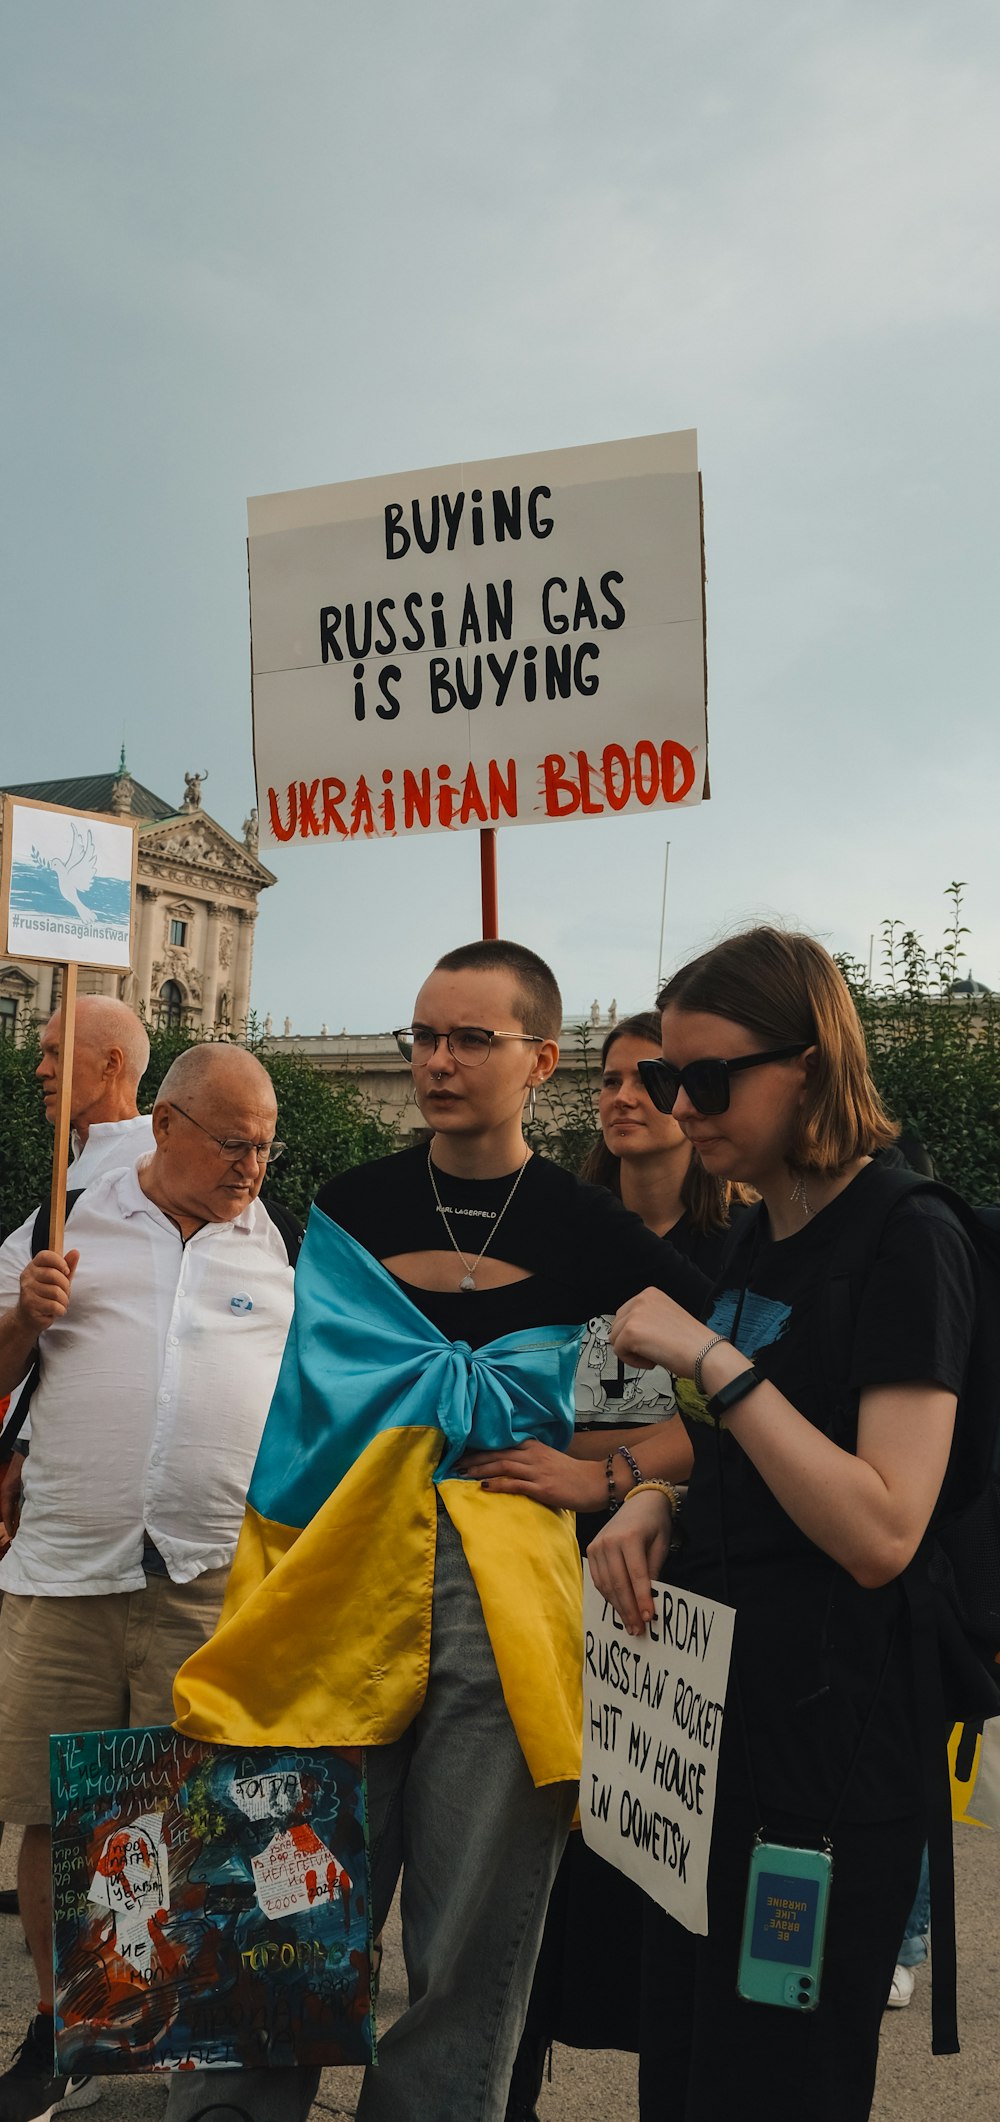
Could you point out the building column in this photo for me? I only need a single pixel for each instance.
(210, 965)
(242, 968)
(145, 912)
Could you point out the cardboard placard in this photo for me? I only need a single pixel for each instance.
(652, 1721)
(67, 887)
(503, 643)
(210, 1904)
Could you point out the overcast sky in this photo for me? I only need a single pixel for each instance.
(252, 245)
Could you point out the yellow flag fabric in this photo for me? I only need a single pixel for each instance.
(324, 1638)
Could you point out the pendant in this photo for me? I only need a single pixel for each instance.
(467, 1282)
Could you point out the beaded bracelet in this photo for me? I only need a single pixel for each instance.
(665, 1488)
(609, 1475)
(624, 1453)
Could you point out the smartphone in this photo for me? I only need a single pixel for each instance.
(784, 1926)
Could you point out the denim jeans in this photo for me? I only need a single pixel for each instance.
(452, 1806)
(914, 1946)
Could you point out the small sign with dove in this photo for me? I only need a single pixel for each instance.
(68, 885)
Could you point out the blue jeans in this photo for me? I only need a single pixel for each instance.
(452, 1806)
(914, 1946)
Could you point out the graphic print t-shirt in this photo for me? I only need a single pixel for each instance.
(810, 1642)
(611, 1394)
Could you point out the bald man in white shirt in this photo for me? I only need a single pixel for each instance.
(160, 1334)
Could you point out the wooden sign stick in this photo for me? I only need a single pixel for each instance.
(488, 878)
(64, 1097)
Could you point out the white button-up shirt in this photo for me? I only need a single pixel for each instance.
(153, 1392)
(109, 1145)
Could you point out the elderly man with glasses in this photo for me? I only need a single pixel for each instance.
(159, 1337)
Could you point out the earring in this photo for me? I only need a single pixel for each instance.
(532, 1103)
(800, 1196)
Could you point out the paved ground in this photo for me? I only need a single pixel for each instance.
(914, 2086)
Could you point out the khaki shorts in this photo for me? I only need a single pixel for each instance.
(90, 1665)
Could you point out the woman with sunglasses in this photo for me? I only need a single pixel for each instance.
(803, 1508)
(624, 1419)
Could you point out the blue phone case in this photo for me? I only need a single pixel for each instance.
(784, 1926)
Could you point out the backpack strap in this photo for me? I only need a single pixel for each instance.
(886, 1185)
(288, 1226)
(932, 1728)
(40, 1226)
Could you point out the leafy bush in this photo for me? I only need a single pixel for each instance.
(327, 1121)
(25, 1135)
(568, 1129)
(934, 1049)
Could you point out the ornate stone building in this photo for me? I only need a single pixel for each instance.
(196, 904)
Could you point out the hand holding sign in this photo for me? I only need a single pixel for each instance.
(45, 1289)
(629, 1553)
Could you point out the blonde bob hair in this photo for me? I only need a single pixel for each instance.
(785, 988)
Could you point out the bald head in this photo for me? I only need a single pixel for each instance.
(110, 1054)
(215, 1072)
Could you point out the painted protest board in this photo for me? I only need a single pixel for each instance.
(652, 1722)
(67, 888)
(500, 643)
(210, 1904)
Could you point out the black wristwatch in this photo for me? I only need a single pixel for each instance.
(729, 1396)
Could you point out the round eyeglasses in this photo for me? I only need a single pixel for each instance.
(705, 1082)
(468, 1044)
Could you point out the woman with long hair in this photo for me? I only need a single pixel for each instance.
(808, 1497)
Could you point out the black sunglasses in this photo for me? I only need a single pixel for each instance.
(706, 1082)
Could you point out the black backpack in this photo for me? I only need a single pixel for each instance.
(952, 1586)
(287, 1225)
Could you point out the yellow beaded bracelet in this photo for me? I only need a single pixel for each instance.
(666, 1488)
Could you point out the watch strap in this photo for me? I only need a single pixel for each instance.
(729, 1396)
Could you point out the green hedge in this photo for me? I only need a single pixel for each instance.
(327, 1121)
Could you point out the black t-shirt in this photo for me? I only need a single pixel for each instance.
(582, 1251)
(810, 1642)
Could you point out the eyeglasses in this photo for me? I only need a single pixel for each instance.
(468, 1044)
(706, 1082)
(265, 1152)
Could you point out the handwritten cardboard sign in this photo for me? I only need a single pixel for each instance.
(500, 643)
(210, 1904)
(652, 1721)
(67, 887)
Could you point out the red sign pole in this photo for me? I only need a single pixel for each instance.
(488, 874)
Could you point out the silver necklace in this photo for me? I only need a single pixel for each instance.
(468, 1280)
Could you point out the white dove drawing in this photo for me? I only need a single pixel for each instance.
(76, 872)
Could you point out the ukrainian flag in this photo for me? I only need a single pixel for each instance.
(324, 1638)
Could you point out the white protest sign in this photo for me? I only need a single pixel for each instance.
(652, 1721)
(68, 885)
(501, 643)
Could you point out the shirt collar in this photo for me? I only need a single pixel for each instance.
(105, 1130)
(134, 1202)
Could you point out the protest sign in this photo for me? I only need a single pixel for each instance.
(480, 645)
(68, 885)
(652, 1721)
(67, 894)
(210, 1904)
